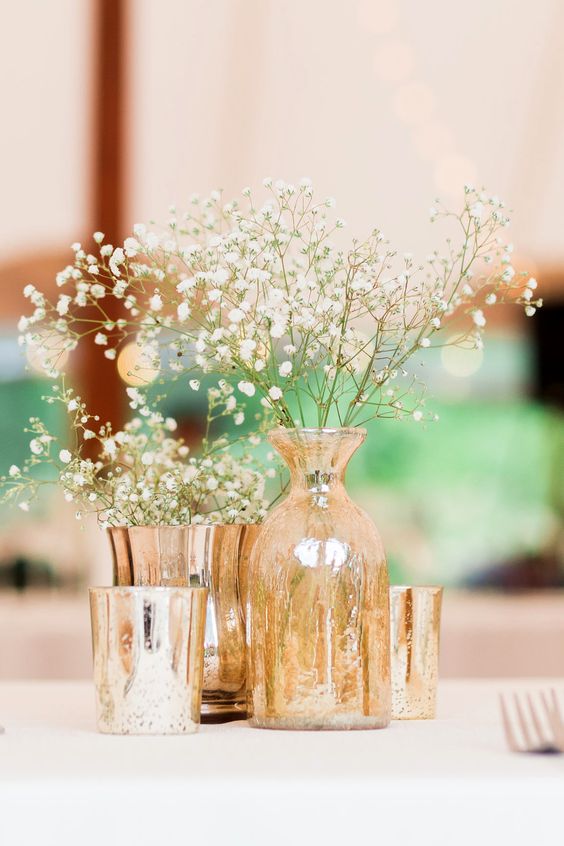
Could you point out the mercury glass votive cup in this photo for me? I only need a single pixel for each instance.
(415, 618)
(148, 650)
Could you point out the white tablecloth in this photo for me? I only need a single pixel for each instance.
(451, 781)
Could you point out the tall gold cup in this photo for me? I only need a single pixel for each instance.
(217, 557)
(415, 618)
(148, 649)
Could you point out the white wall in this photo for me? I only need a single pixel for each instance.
(226, 92)
(44, 123)
(230, 91)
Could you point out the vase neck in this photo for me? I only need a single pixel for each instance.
(317, 458)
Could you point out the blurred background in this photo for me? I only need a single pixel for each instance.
(115, 109)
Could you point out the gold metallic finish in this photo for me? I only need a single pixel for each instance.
(415, 614)
(317, 607)
(215, 556)
(148, 650)
(249, 537)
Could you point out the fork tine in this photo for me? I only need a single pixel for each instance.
(556, 706)
(555, 719)
(536, 722)
(522, 722)
(552, 715)
(509, 734)
(546, 706)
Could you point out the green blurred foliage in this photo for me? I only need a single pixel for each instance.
(482, 485)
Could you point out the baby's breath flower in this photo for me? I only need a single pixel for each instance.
(143, 474)
(110, 447)
(246, 388)
(183, 311)
(256, 290)
(117, 259)
(478, 317)
(156, 302)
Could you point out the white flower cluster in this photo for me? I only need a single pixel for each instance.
(143, 474)
(267, 296)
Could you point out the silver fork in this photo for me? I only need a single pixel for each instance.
(555, 718)
(541, 737)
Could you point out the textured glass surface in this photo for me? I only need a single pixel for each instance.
(317, 612)
(148, 658)
(213, 556)
(415, 629)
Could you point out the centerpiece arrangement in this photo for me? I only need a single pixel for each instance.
(329, 336)
(173, 518)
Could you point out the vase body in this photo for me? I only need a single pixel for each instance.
(318, 622)
(216, 557)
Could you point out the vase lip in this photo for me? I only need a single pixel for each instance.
(316, 430)
(180, 526)
(139, 589)
(417, 587)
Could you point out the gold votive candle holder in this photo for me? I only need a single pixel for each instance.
(415, 620)
(148, 650)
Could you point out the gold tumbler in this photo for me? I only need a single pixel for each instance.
(415, 617)
(148, 649)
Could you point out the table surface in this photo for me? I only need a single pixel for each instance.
(449, 781)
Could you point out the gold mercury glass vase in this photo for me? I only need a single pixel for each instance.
(318, 624)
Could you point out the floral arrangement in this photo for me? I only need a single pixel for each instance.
(143, 474)
(264, 295)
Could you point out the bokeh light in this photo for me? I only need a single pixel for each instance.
(130, 368)
(414, 102)
(379, 18)
(394, 61)
(433, 140)
(459, 361)
(453, 171)
(49, 353)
